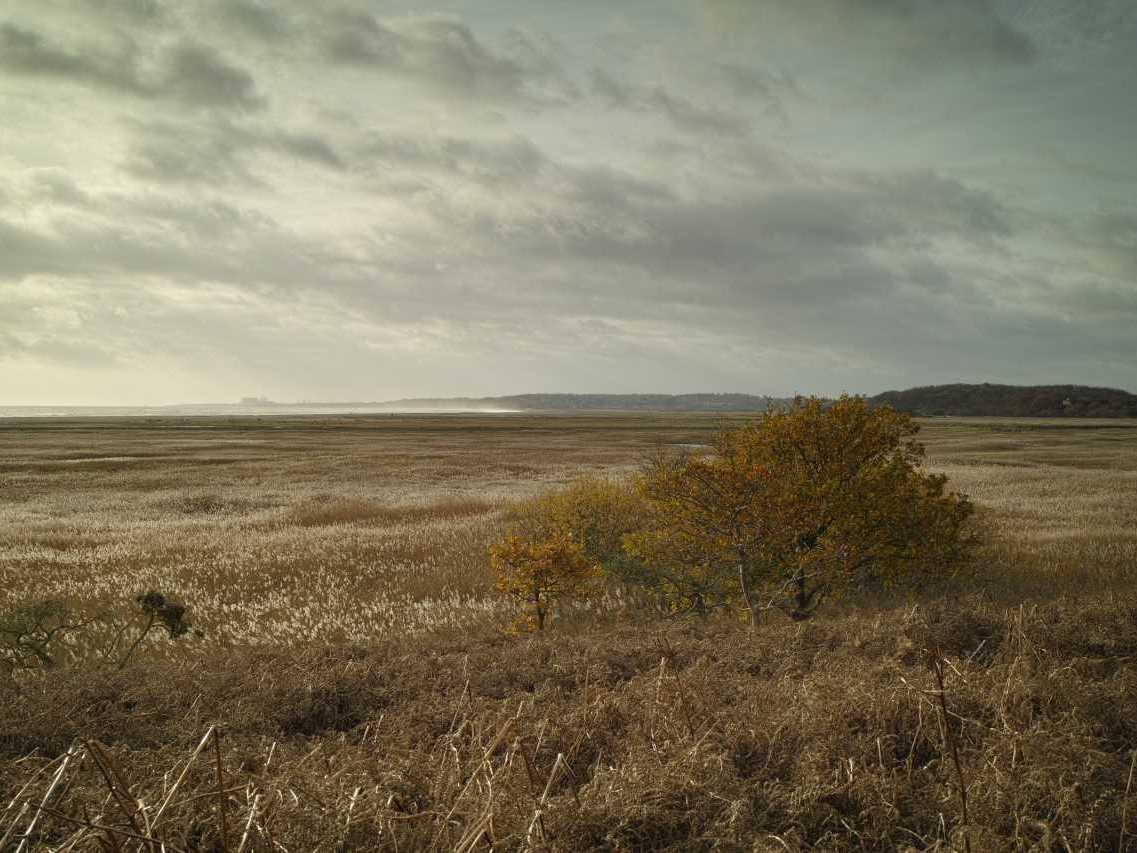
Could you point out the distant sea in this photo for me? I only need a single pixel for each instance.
(221, 410)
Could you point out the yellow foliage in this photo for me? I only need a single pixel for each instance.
(539, 573)
(798, 505)
(596, 512)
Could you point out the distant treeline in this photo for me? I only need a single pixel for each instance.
(1041, 401)
(1035, 401)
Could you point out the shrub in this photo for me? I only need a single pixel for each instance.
(597, 512)
(158, 612)
(540, 573)
(796, 507)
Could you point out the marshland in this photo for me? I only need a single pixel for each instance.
(351, 682)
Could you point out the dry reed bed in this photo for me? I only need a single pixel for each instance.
(367, 699)
(348, 530)
(609, 736)
(272, 535)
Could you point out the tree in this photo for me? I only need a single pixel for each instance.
(800, 504)
(540, 573)
(596, 512)
(677, 562)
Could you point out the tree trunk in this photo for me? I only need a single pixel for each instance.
(804, 598)
(744, 585)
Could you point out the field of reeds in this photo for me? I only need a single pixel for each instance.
(350, 684)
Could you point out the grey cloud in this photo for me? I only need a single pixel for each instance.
(513, 160)
(745, 159)
(356, 38)
(615, 92)
(1101, 299)
(949, 205)
(188, 72)
(218, 153)
(133, 11)
(57, 186)
(793, 253)
(54, 348)
(670, 239)
(174, 242)
(443, 54)
(926, 33)
(683, 113)
(796, 249)
(689, 116)
(762, 266)
(23, 252)
(773, 90)
(197, 74)
(1112, 235)
(614, 190)
(208, 219)
(256, 19)
(537, 53)
(172, 154)
(303, 146)
(24, 51)
(928, 275)
(1116, 228)
(750, 82)
(772, 231)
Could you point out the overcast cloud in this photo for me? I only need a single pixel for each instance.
(358, 201)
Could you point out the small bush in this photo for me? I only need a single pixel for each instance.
(538, 574)
(597, 512)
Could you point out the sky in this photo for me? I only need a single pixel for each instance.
(367, 199)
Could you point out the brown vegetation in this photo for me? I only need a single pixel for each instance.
(367, 697)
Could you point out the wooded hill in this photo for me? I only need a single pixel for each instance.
(1036, 401)
(1044, 401)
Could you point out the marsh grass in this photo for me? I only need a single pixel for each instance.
(330, 510)
(355, 664)
(826, 735)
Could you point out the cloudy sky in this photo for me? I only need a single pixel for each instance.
(369, 199)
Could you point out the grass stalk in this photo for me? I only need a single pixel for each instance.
(952, 745)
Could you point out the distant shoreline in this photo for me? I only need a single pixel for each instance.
(958, 400)
(229, 410)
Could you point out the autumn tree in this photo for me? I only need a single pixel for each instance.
(801, 504)
(703, 547)
(679, 563)
(561, 542)
(539, 573)
(597, 512)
